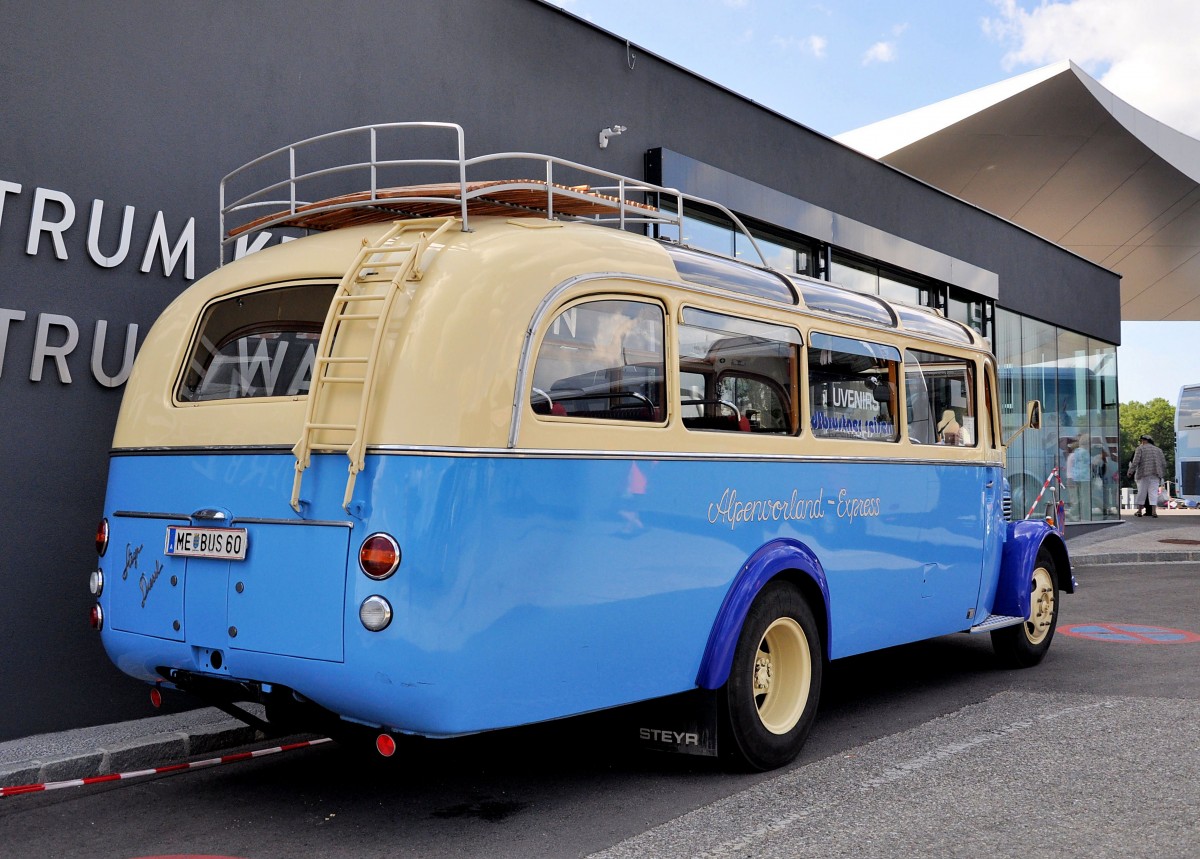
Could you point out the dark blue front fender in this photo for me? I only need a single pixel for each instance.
(783, 558)
(1025, 538)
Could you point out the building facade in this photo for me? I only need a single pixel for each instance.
(120, 122)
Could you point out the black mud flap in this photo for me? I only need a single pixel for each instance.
(684, 724)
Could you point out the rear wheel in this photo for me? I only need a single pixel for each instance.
(1025, 645)
(770, 700)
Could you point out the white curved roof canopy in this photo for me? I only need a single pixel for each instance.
(1055, 152)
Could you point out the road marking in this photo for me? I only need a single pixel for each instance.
(1129, 633)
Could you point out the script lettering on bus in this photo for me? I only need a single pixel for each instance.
(131, 559)
(729, 510)
(146, 584)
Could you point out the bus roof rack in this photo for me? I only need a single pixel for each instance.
(276, 191)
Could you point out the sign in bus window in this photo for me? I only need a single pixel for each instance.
(939, 399)
(602, 360)
(852, 388)
(258, 344)
(738, 375)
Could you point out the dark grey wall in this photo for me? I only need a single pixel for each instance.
(147, 105)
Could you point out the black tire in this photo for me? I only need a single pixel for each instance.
(768, 704)
(1025, 645)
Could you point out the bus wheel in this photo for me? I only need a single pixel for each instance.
(1026, 644)
(768, 704)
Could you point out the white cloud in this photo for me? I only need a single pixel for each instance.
(880, 52)
(814, 45)
(1145, 52)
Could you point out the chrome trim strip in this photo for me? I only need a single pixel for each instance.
(572, 453)
(583, 453)
(253, 520)
(214, 449)
(138, 514)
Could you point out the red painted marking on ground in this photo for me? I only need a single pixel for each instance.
(1129, 633)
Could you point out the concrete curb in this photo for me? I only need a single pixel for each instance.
(1081, 559)
(140, 752)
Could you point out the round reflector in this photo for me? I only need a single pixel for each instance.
(97, 618)
(375, 613)
(379, 556)
(155, 698)
(386, 745)
(96, 583)
(102, 537)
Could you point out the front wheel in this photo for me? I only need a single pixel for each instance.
(1025, 645)
(768, 705)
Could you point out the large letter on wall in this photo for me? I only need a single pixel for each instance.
(38, 223)
(43, 350)
(94, 236)
(185, 245)
(98, 354)
(7, 316)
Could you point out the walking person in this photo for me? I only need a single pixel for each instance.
(1147, 468)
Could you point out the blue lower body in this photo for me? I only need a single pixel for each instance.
(530, 588)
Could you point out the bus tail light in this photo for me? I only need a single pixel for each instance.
(379, 556)
(385, 744)
(102, 537)
(97, 618)
(375, 613)
(96, 582)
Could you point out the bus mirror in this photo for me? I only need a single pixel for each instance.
(1033, 420)
(1033, 415)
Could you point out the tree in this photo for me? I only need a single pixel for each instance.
(1155, 419)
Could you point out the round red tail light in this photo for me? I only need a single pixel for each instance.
(97, 618)
(102, 537)
(379, 556)
(385, 744)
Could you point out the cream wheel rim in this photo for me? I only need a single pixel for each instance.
(782, 675)
(1041, 606)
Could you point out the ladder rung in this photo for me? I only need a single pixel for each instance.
(346, 299)
(344, 316)
(342, 380)
(342, 427)
(356, 359)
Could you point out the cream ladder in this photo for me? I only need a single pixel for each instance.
(364, 297)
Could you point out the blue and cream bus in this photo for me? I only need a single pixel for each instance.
(1187, 445)
(487, 453)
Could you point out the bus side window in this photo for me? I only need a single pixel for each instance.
(602, 360)
(852, 388)
(738, 375)
(940, 399)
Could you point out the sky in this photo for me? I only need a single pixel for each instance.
(838, 65)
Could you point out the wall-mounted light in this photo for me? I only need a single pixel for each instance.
(611, 131)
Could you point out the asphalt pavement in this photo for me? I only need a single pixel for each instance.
(1173, 537)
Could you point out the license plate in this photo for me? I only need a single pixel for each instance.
(225, 543)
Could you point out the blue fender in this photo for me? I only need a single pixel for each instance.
(1025, 538)
(770, 561)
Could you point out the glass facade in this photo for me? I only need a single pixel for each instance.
(1075, 378)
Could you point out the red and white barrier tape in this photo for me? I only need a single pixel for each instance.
(1053, 475)
(173, 768)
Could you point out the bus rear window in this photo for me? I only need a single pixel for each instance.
(603, 360)
(258, 344)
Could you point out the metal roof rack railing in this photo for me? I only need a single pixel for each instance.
(601, 197)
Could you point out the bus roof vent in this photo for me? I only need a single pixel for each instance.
(923, 321)
(827, 298)
(710, 270)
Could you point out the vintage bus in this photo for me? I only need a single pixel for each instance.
(481, 454)
(1187, 445)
